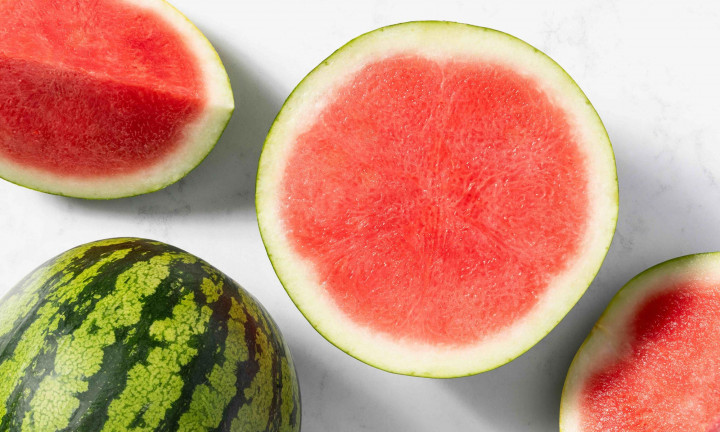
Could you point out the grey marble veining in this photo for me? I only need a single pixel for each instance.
(650, 69)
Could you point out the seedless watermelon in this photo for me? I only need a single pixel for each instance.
(436, 196)
(132, 334)
(652, 361)
(105, 98)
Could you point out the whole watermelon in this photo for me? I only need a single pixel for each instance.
(132, 334)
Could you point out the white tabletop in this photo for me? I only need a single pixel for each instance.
(652, 71)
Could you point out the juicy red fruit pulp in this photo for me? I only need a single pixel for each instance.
(669, 377)
(437, 200)
(92, 88)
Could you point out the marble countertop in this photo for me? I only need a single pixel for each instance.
(650, 69)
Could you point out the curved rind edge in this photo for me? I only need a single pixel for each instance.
(610, 228)
(632, 291)
(216, 117)
(37, 281)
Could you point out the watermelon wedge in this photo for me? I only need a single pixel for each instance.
(652, 361)
(435, 197)
(105, 98)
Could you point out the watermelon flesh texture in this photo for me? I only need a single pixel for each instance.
(437, 200)
(652, 363)
(63, 74)
(134, 334)
(108, 98)
(435, 197)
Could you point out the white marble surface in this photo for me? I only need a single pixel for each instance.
(650, 68)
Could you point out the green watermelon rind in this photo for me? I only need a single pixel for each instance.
(623, 302)
(263, 197)
(134, 184)
(107, 197)
(153, 282)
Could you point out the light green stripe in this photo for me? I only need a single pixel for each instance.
(16, 306)
(33, 339)
(24, 297)
(211, 289)
(29, 346)
(255, 414)
(288, 393)
(80, 354)
(153, 386)
(210, 400)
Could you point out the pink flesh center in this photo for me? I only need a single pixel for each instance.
(92, 88)
(670, 377)
(436, 201)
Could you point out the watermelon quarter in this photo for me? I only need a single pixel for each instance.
(652, 361)
(435, 197)
(105, 98)
(132, 334)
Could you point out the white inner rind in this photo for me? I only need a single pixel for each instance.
(606, 343)
(441, 41)
(199, 137)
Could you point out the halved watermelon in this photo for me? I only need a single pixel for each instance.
(652, 361)
(436, 196)
(105, 98)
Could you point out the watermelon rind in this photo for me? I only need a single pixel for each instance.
(600, 346)
(134, 334)
(434, 39)
(201, 135)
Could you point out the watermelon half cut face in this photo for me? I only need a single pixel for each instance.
(436, 196)
(652, 361)
(105, 98)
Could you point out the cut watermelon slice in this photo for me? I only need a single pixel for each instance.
(436, 196)
(105, 99)
(652, 361)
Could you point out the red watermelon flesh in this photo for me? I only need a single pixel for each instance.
(652, 362)
(57, 87)
(670, 379)
(98, 89)
(435, 197)
(403, 192)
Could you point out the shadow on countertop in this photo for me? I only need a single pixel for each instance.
(333, 401)
(662, 215)
(225, 181)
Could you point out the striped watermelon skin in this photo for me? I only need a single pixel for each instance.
(133, 334)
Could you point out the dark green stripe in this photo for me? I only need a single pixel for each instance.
(83, 343)
(246, 409)
(69, 268)
(210, 346)
(284, 380)
(132, 345)
(70, 305)
(247, 371)
(291, 396)
(274, 419)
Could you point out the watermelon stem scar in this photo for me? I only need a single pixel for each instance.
(436, 196)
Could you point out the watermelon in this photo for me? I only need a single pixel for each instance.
(105, 98)
(652, 361)
(436, 196)
(133, 334)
